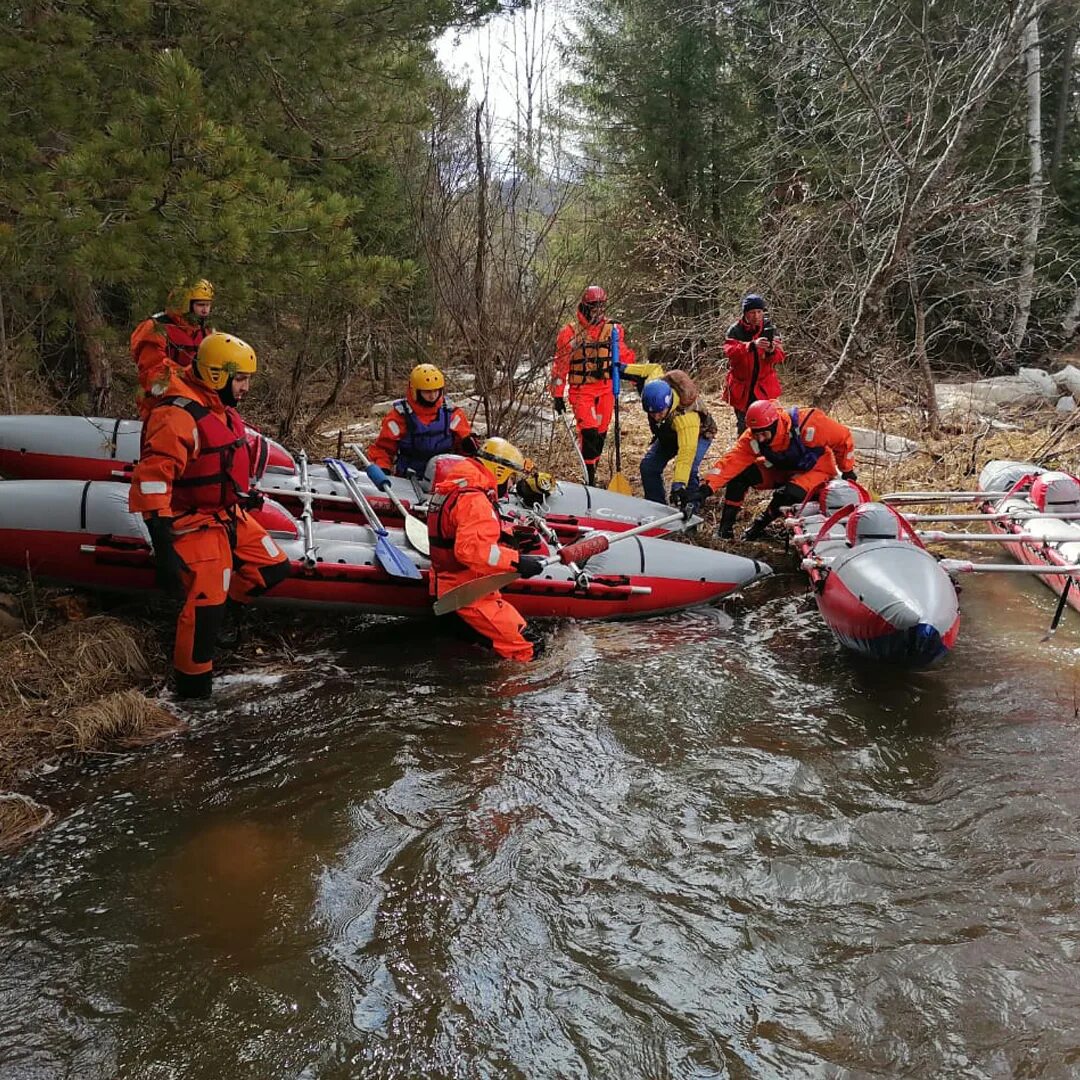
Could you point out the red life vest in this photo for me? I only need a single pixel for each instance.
(441, 503)
(182, 340)
(220, 475)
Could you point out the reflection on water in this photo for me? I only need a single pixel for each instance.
(709, 845)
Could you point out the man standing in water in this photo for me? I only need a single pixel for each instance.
(465, 532)
(192, 486)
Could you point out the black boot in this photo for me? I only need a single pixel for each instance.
(590, 472)
(193, 686)
(758, 527)
(726, 529)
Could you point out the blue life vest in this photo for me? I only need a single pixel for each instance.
(796, 456)
(421, 442)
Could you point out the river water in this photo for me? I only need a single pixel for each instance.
(703, 846)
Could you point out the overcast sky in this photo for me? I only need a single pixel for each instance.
(492, 60)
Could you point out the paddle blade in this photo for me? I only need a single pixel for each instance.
(620, 485)
(395, 562)
(1062, 601)
(417, 535)
(472, 591)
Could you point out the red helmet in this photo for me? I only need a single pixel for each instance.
(594, 295)
(766, 416)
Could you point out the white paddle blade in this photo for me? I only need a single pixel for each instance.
(417, 535)
(472, 591)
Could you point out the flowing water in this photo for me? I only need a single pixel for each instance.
(703, 846)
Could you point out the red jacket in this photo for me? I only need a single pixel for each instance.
(751, 377)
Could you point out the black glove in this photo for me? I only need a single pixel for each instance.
(703, 492)
(559, 404)
(529, 566)
(849, 474)
(166, 563)
(680, 496)
(252, 500)
(525, 539)
(469, 447)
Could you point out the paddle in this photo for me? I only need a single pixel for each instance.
(619, 483)
(577, 449)
(394, 561)
(415, 530)
(1062, 601)
(472, 591)
(305, 514)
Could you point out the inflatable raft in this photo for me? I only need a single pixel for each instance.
(1058, 542)
(97, 448)
(81, 533)
(881, 593)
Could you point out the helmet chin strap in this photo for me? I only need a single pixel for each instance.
(227, 396)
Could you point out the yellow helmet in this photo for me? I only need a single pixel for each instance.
(502, 459)
(183, 296)
(220, 357)
(426, 377)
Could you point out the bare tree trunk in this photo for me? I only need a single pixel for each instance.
(296, 383)
(480, 359)
(90, 338)
(1064, 100)
(933, 418)
(1072, 317)
(7, 360)
(1031, 53)
(346, 366)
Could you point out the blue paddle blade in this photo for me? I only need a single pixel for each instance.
(394, 561)
(377, 477)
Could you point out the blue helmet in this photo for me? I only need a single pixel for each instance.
(751, 301)
(657, 396)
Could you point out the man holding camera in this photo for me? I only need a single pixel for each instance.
(753, 350)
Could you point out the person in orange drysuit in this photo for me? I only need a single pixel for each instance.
(465, 532)
(192, 486)
(753, 350)
(583, 358)
(789, 451)
(421, 425)
(167, 341)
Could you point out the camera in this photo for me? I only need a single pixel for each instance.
(769, 332)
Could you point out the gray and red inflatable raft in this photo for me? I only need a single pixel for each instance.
(881, 593)
(1040, 503)
(82, 533)
(99, 448)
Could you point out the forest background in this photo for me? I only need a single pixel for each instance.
(900, 177)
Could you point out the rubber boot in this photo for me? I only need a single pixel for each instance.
(758, 527)
(726, 529)
(590, 472)
(191, 687)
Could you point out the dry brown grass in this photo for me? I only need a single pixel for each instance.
(20, 818)
(69, 690)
